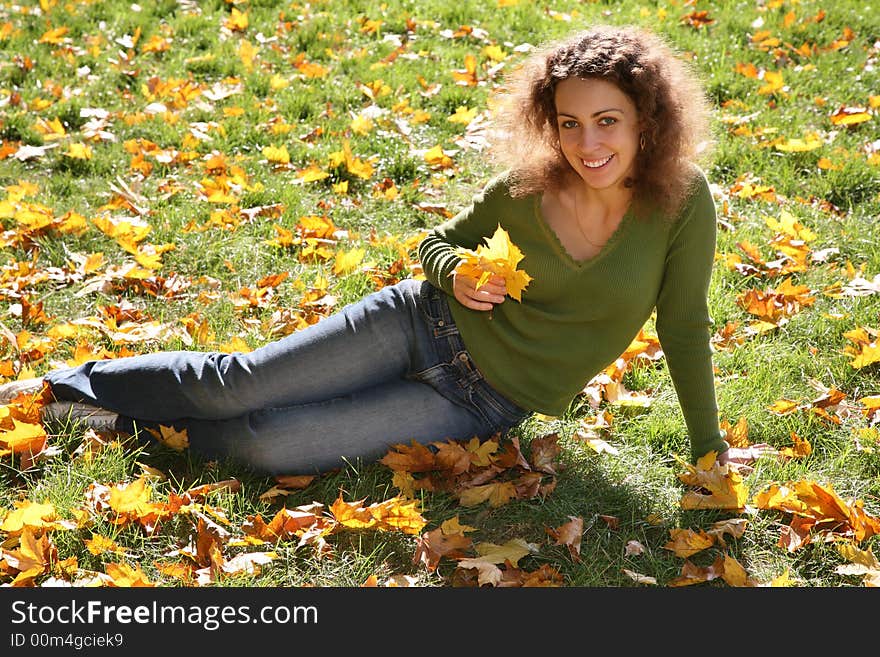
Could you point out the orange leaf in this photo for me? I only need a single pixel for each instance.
(569, 535)
(436, 544)
(848, 116)
(123, 575)
(24, 438)
(415, 457)
(738, 435)
(500, 257)
(171, 437)
(723, 485)
(687, 542)
(497, 494)
(734, 573)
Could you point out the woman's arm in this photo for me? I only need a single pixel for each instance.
(467, 229)
(684, 323)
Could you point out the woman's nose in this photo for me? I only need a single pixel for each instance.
(587, 138)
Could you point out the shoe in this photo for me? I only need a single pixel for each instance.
(12, 389)
(93, 417)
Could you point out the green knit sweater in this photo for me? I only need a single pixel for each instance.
(576, 318)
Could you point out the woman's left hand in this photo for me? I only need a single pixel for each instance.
(742, 457)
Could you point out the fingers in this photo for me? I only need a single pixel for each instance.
(744, 456)
(492, 292)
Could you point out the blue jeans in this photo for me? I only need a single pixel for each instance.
(390, 368)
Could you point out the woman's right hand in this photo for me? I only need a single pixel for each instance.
(465, 292)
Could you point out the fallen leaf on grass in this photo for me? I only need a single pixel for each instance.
(717, 486)
(178, 440)
(862, 562)
(638, 578)
(816, 510)
(33, 557)
(687, 542)
(124, 576)
(511, 551)
(436, 544)
(286, 484)
(736, 527)
(569, 535)
(391, 514)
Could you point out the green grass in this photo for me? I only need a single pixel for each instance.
(92, 68)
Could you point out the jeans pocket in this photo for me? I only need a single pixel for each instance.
(434, 308)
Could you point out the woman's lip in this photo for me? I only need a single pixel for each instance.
(598, 163)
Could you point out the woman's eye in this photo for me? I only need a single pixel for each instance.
(569, 123)
(607, 120)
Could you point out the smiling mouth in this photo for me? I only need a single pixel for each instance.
(597, 164)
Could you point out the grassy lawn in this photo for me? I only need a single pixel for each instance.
(215, 175)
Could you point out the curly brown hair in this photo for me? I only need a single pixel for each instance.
(673, 110)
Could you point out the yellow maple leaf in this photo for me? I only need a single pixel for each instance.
(237, 21)
(361, 125)
(497, 494)
(734, 574)
(868, 355)
(99, 544)
(511, 551)
(781, 581)
(498, 257)
(247, 52)
(480, 451)
(395, 513)
(346, 262)
(277, 154)
(463, 115)
(79, 151)
(437, 158)
(862, 562)
(724, 485)
(398, 514)
(29, 515)
(32, 558)
(171, 437)
(687, 542)
(773, 82)
(24, 437)
(131, 499)
(123, 575)
(454, 526)
(847, 116)
(809, 142)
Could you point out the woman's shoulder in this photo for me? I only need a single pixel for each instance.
(499, 182)
(696, 180)
(699, 189)
(696, 193)
(499, 188)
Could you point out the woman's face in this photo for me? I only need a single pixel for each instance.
(598, 130)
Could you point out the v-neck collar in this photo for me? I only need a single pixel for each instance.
(564, 255)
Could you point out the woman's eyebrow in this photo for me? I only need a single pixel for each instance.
(594, 114)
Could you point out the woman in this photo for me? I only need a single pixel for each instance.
(597, 135)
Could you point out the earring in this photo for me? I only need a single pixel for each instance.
(642, 141)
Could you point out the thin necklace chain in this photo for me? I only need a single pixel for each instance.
(577, 220)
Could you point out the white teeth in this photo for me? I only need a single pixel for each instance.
(595, 164)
